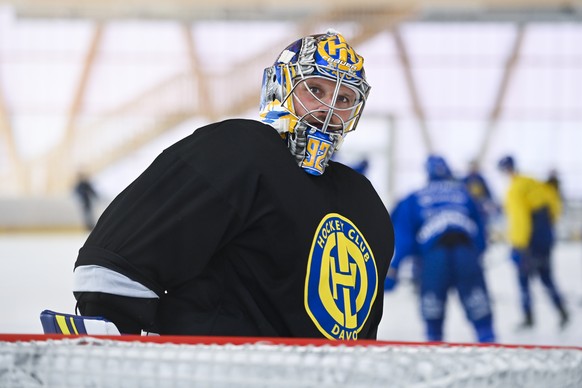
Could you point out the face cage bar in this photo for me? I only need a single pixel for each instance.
(357, 108)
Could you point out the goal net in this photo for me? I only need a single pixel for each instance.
(133, 361)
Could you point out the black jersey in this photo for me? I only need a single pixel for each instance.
(235, 239)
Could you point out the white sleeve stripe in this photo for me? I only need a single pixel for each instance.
(97, 327)
(94, 278)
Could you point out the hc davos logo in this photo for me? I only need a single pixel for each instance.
(342, 280)
(339, 54)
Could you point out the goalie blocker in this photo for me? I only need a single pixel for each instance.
(69, 324)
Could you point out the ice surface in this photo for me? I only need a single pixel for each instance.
(37, 269)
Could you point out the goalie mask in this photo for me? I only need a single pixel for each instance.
(313, 96)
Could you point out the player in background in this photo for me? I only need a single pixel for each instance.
(479, 189)
(361, 166)
(87, 195)
(554, 181)
(246, 228)
(441, 226)
(532, 208)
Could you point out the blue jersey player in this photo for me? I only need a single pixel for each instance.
(441, 227)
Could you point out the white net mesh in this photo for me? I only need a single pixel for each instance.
(90, 362)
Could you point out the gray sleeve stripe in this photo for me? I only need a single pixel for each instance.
(94, 278)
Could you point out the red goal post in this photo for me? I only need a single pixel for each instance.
(183, 361)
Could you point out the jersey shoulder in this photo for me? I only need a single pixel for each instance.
(229, 142)
(347, 173)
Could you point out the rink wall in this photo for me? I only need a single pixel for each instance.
(42, 213)
(64, 212)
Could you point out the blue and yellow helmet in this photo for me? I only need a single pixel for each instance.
(326, 56)
(506, 163)
(437, 168)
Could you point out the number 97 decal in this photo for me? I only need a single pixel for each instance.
(318, 146)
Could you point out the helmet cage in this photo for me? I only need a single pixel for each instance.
(332, 110)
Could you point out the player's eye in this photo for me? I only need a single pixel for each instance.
(344, 101)
(315, 90)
